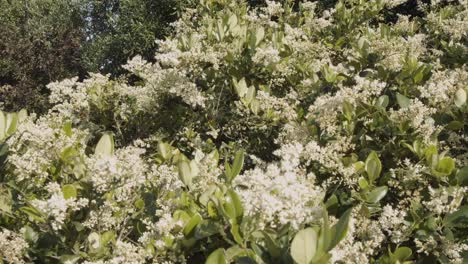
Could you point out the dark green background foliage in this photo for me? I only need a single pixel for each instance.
(39, 43)
(47, 40)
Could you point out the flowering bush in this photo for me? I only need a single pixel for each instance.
(289, 133)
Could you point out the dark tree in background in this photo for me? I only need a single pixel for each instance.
(47, 40)
(40, 42)
(117, 30)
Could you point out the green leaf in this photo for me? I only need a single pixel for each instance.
(11, 123)
(377, 194)
(455, 125)
(462, 176)
(235, 200)
(250, 95)
(232, 206)
(5, 200)
(237, 165)
(107, 237)
(340, 229)
(185, 173)
(241, 87)
(431, 155)
(359, 166)
(304, 246)
(402, 100)
(206, 229)
(373, 166)
(460, 97)
(445, 166)
(348, 110)
(181, 215)
(458, 218)
(33, 214)
(105, 146)
(382, 101)
(259, 35)
(255, 106)
(271, 244)
(192, 223)
(2, 125)
(69, 191)
(236, 234)
(402, 253)
(94, 240)
(332, 202)
(69, 259)
(67, 128)
(22, 115)
(165, 150)
(232, 21)
(140, 204)
(29, 234)
(363, 184)
(325, 235)
(216, 257)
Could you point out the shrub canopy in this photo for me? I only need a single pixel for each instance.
(285, 133)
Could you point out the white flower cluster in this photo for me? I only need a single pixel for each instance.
(56, 207)
(281, 193)
(123, 172)
(38, 144)
(12, 247)
(326, 108)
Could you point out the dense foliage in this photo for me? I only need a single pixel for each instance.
(49, 40)
(286, 133)
(39, 43)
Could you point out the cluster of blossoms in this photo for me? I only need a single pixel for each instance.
(296, 132)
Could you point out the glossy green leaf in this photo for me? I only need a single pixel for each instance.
(67, 128)
(462, 176)
(33, 214)
(237, 165)
(107, 237)
(194, 221)
(165, 150)
(377, 194)
(259, 35)
(373, 166)
(2, 125)
(457, 218)
(94, 240)
(363, 184)
(382, 101)
(11, 123)
(340, 229)
(431, 155)
(236, 234)
(445, 166)
(402, 253)
(304, 246)
(30, 235)
(22, 115)
(6, 201)
(402, 100)
(70, 259)
(69, 191)
(216, 257)
(185, 173)
(241, 87)
(105, 146)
